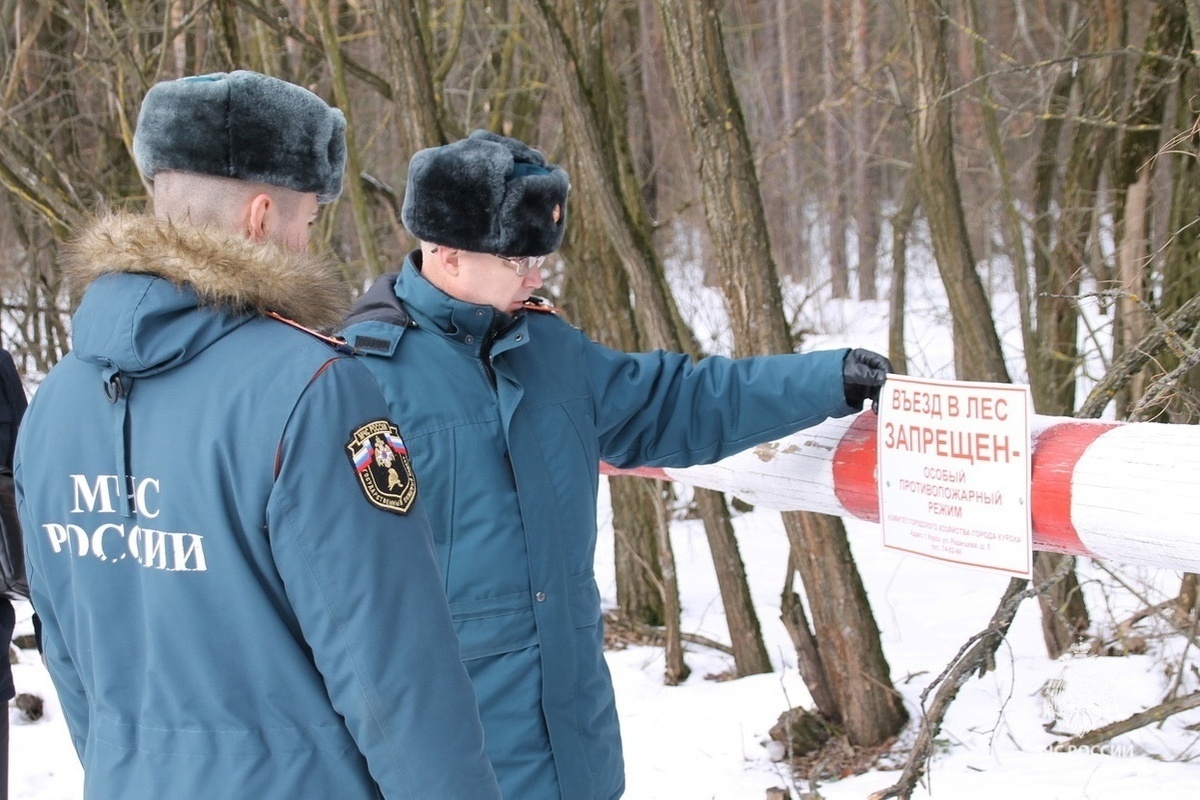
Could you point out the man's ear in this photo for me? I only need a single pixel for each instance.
(449, 256)
(256, 218)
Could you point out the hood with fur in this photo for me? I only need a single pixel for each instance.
(227, 272)
(155, 293)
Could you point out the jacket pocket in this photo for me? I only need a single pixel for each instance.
(585, 600)
(495, 625)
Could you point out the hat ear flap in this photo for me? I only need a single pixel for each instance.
(486, 194)
(452, 195)
(533, 218)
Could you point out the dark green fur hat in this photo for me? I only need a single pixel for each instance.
(486, 194)
(246, 126)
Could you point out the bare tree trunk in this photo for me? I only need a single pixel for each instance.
(851, 652)
(641, 591)
(1181, 279)
(677, 670)
(1155, 77)
(406, 48)
(1065, 618)
(647, 594)
(808, 651)
(745, 633)
(901, 224)
(793, 251)
(641, 131)
(1187, 604)
(367, 244)
(732, 200)
(1132, 274)
(1035, 309)
(866, 201)
(977, 352)
(598, 283)
(602, 167)
(1057, 312)
(1064, 613)
(870, 710)
(595, 128)
(1010, 224)
(839, 277)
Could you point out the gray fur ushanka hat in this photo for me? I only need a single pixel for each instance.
(486, 194)
(243, 125)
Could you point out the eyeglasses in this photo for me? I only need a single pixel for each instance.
(524, 265)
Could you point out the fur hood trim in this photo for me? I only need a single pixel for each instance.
(227, 272)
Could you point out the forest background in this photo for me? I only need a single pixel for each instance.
(1049, 146)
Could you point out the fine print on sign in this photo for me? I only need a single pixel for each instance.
(954, 472)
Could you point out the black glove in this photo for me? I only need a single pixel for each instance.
(863, 373)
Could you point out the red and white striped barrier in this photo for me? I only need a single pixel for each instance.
(1124, 492)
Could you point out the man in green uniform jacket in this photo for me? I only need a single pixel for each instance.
(224, 538)
(508, 413)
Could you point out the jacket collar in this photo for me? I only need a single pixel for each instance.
(431, 308)
(227, 273)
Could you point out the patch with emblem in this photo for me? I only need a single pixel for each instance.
(381, 463)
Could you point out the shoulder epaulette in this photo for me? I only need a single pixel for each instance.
(337, 344)
(540, 304)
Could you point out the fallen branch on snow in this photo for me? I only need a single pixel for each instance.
(1156, 714)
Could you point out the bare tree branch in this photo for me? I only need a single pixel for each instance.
(1169, 332)
(285, 27)
(977, 654)
(1139, 720)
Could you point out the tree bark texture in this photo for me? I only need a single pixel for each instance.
(1154, 81)
(864, 194)
(627, 222)
(406, 48)
(676, 670)
(637, 511)
(729, 183)
(1065, 617)
(869, 709)
(808, 652)
(1181, 279)
(745, 632)
(1098, 83)
(835, 173)
(977, 352)
(1010, 223)
(1035, 308)
(861, 681)
(353, 180)
(601, 166)
(902, 222)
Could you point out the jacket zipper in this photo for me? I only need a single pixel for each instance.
(485, 350)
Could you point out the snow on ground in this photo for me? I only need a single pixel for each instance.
(704, 739)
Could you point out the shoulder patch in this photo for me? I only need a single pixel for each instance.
(381, 463)
(541, 304)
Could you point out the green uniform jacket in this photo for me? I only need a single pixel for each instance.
(507, 420)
